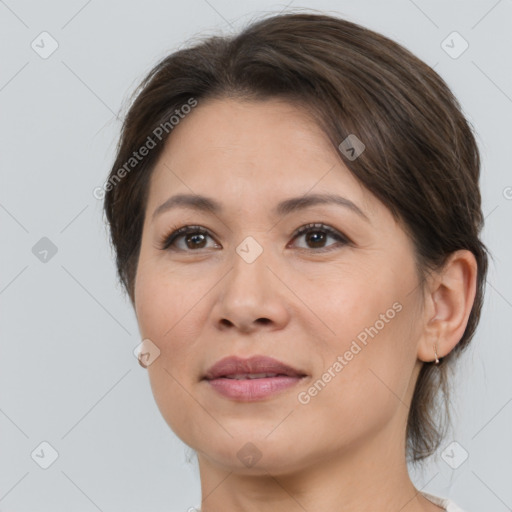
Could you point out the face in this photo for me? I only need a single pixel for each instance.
(337, 300)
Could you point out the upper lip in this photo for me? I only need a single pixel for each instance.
(234, 365)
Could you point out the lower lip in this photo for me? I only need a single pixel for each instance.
(251, 390)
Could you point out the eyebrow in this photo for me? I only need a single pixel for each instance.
(207, 204)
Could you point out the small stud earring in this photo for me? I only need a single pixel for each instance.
(435, 353)
(139, 358)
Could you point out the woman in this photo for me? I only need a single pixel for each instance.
(296, 214)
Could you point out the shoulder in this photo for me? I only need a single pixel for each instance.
(446, 503)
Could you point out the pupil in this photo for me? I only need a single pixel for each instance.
(195, 237)
(319, 239)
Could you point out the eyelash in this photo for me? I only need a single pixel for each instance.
(175, 233)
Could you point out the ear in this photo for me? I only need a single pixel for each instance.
(449, 298)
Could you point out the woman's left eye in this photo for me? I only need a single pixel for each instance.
(195, 237)
(318, 233)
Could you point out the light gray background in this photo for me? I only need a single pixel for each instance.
(67, 372)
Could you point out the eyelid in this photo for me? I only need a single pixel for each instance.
(317, 225)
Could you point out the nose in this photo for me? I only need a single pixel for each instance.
(251, 297)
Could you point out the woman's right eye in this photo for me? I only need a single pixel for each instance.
(194, 237)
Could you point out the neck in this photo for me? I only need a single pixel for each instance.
(365, 478)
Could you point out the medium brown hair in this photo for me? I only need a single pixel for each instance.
(421, 158)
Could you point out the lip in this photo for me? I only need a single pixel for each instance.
(233, 365)
(249, 390)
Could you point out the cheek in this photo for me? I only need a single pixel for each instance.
(158, 303)
(350, 306)
(367, 325)
(169, 314)
(161, 316)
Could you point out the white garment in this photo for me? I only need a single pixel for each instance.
(446, 503)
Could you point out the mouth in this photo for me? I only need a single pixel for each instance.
(252, 379)
(244, 376)
(255, 367)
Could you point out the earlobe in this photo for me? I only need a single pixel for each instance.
(450, 300)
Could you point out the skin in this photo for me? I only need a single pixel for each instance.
(345, 449)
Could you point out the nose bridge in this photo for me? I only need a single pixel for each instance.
(250, 274)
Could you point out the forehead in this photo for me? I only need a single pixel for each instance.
(250, 150)
(245, 129)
